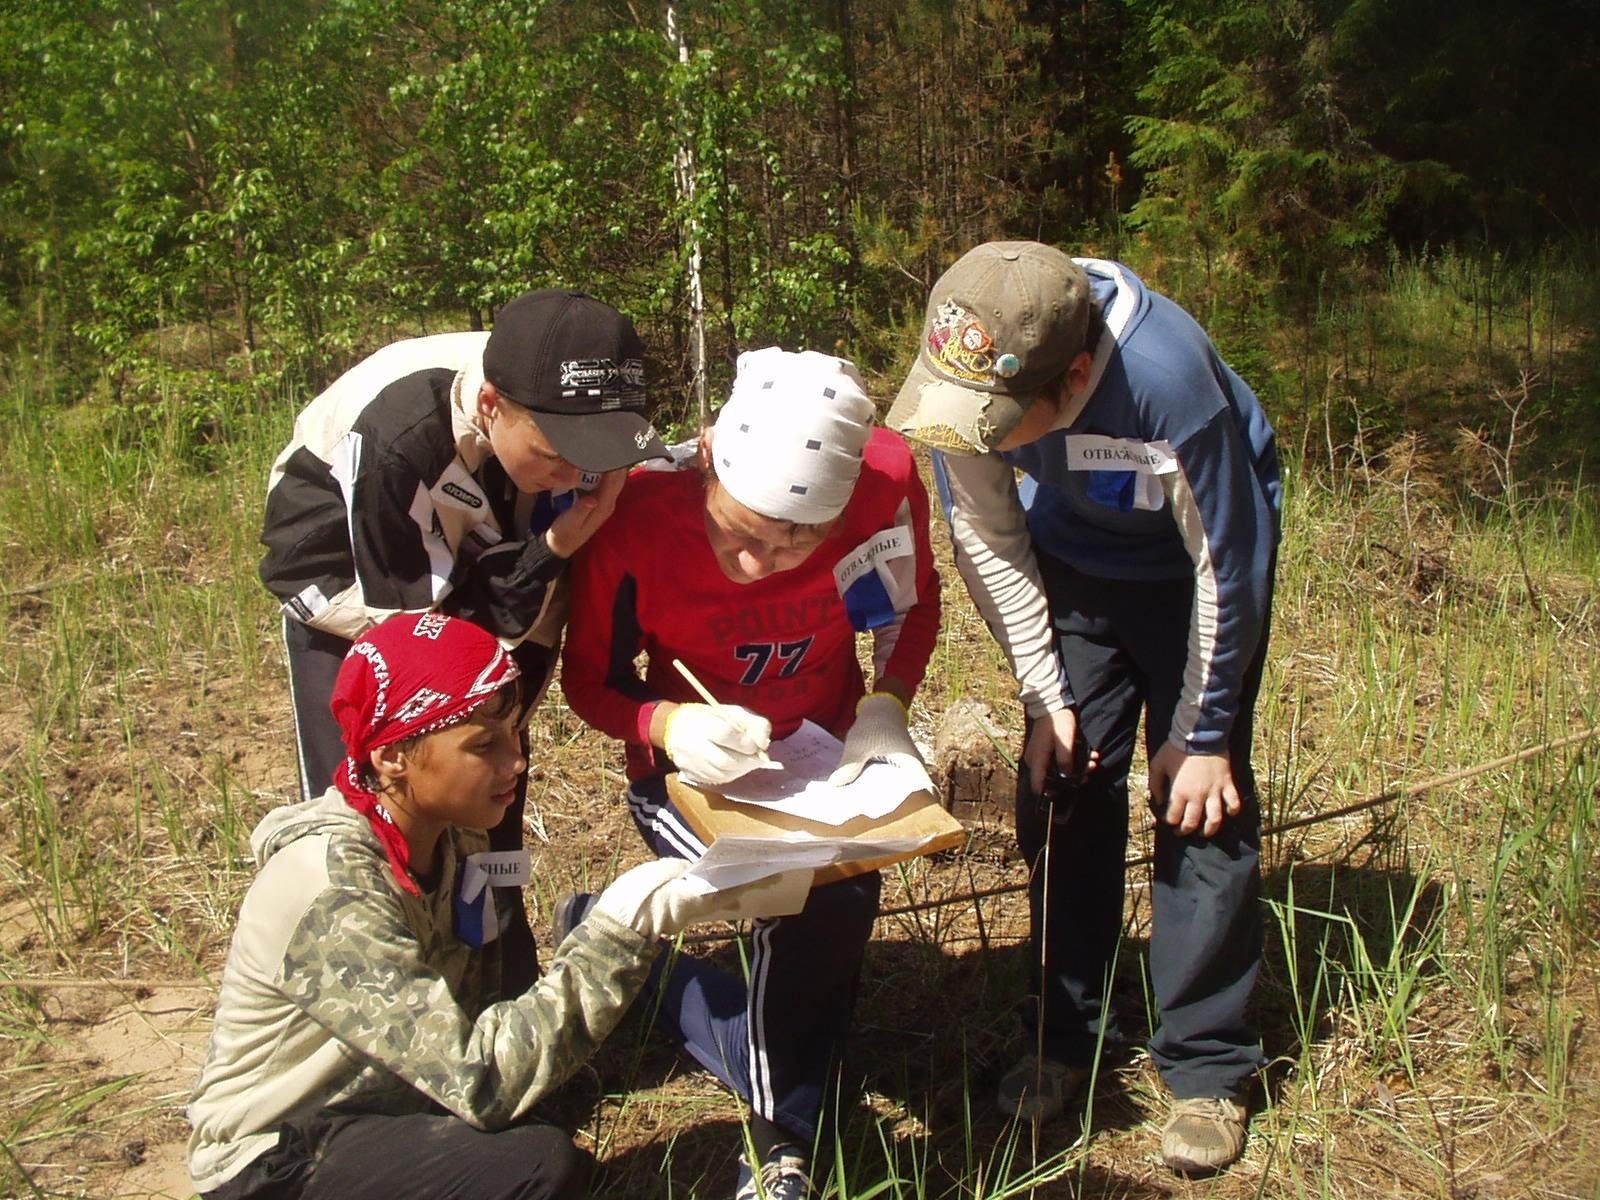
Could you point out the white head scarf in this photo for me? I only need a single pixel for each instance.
(789, 440)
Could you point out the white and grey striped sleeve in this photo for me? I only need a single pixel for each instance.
(994, 553)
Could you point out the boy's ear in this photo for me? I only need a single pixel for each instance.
(702, 459)
(488, 400)
(388, 762)
(1077, 377)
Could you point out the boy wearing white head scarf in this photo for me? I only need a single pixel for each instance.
(791, 435)
(804, 526)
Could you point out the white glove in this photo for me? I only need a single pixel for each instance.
(713, 743)
(642, 898)
(653, 901)
(879, 732)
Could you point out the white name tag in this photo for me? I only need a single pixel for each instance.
(1096, 452)
(882, 547)
(495, 868)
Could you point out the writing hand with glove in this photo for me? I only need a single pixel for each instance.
(715, 743)
(879, 733)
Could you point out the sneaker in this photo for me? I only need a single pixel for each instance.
(1203, 1135)
(568, 913)
(785, 1175)
(1036, 1089)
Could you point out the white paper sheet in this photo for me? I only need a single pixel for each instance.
(801, 788)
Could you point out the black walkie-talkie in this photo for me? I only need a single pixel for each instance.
(1061, 787)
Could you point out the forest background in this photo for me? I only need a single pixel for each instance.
(1385, 213)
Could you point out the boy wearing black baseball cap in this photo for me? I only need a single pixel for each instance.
(456, 473)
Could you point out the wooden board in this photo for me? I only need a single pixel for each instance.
(920, 816)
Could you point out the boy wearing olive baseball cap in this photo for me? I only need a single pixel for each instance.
(1130, 571)
(456, 473)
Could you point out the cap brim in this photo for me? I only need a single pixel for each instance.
(601, 441)
(950, 417)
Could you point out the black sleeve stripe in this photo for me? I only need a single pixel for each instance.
(391, 553)
(304, 531)
(312, 539)
(626, 637)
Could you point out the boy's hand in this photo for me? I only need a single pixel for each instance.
(715, 743)
(878, 732)
(642, 898)
(589, 511)
(656, 902)
(1196, 789)
(1051, 743)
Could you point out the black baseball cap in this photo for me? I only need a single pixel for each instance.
(578, 366)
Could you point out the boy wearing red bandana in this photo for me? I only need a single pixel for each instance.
(361, 1046)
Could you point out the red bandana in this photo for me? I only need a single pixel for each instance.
(410, 674)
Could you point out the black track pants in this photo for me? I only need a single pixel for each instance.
(1124, 646)
(333, 1155)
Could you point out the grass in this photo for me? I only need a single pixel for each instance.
(1430, 966)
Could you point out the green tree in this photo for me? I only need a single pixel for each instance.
(166, 165)
(1503, 93)
(1254, 158)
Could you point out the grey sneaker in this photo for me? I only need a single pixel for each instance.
(568, 914)
(1203, 1135)
(785, 1175)
(1036, 1089)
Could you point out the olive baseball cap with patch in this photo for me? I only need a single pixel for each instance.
(1005, 320)
(578, 366)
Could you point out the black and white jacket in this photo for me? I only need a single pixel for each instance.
(389, 499)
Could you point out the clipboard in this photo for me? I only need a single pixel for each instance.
(920, 816)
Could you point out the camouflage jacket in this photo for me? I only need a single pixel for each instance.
(340, 988)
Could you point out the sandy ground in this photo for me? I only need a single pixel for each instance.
(160, 1039)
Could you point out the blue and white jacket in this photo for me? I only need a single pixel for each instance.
(1162, 467)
